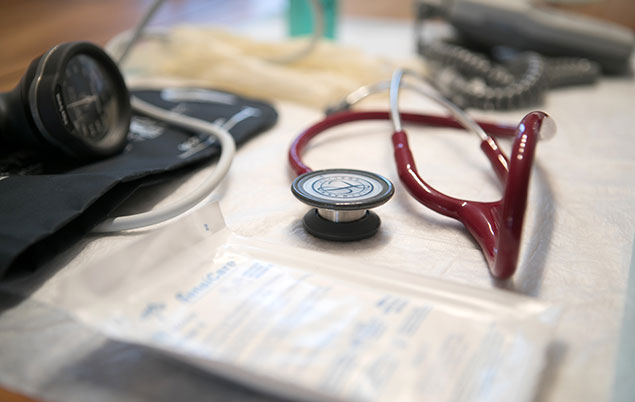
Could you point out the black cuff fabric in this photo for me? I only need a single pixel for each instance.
(45, 206)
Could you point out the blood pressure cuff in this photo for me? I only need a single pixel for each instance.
(46, 205)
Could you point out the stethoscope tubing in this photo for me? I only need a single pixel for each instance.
(191, 199)
(336, 119)
(496, 226)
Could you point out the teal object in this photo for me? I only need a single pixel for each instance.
(301, 18)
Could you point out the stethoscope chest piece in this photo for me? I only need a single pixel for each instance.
(342, 199)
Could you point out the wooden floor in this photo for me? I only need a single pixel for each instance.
(30, 27)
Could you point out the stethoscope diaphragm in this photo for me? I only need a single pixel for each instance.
(341, 199)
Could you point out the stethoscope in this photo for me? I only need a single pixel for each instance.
(342, 198)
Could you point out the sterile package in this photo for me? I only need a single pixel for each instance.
(307, 325)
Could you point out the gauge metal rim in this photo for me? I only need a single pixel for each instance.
(301, 189)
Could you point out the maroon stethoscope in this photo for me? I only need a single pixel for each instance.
(496, 226)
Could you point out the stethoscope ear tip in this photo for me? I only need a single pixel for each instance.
(548, 128)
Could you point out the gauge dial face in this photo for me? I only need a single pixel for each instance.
(90, 98)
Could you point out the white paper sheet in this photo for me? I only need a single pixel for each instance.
(579, 225)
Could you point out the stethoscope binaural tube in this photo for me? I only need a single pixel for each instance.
(338, 118)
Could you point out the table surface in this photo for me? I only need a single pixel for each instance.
(29, 27)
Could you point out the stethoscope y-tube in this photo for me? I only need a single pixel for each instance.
(496, 226)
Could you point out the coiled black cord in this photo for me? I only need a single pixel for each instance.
(472, 80)
(514, 80)
(562, 72)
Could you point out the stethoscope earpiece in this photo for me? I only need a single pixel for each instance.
(342, 199)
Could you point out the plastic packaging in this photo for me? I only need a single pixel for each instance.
(307, 325)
